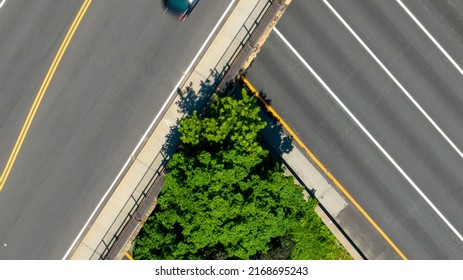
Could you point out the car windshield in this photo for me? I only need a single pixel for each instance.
(178, 6)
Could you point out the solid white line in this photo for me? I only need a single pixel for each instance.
(396, 81)
(386, 154)
(431, 37)
(1, 3)
(172, 94)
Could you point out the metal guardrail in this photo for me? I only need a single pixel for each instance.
(256, 31)
(241, 40)
(131, 210)
(133, 225)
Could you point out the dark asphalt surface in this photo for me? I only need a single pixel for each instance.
(123, 62)
(352, 74)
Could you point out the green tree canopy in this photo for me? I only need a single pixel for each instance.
(224, 196)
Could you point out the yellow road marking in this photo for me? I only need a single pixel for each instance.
(41, 92)
(323, 168)
(129, 256)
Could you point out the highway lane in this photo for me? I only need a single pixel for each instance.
(443, 20)
(401, 41)
(124, 60)
(382, 108)
(29, 32)
(435, 84)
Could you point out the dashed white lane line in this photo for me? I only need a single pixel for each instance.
(434, 124)
(352, 116)
(2, 2)
(430, 37)
(142, 140)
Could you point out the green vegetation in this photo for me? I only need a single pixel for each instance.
(225, 197)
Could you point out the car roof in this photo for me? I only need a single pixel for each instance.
(178, 5)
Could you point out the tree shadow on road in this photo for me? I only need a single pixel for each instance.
(273, 136)
(188, 102)
(277, 140)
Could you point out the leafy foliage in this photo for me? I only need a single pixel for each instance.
(225, 197)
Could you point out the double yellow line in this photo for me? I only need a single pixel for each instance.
(323, 168)
(43, 88)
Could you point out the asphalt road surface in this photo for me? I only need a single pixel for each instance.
(122, 63)
(380, 105)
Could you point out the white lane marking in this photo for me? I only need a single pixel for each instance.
(431, 37)
(441, 132)
(386, 154)
(1, 3)
(142, 140)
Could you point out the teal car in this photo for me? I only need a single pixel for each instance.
(180, 8)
